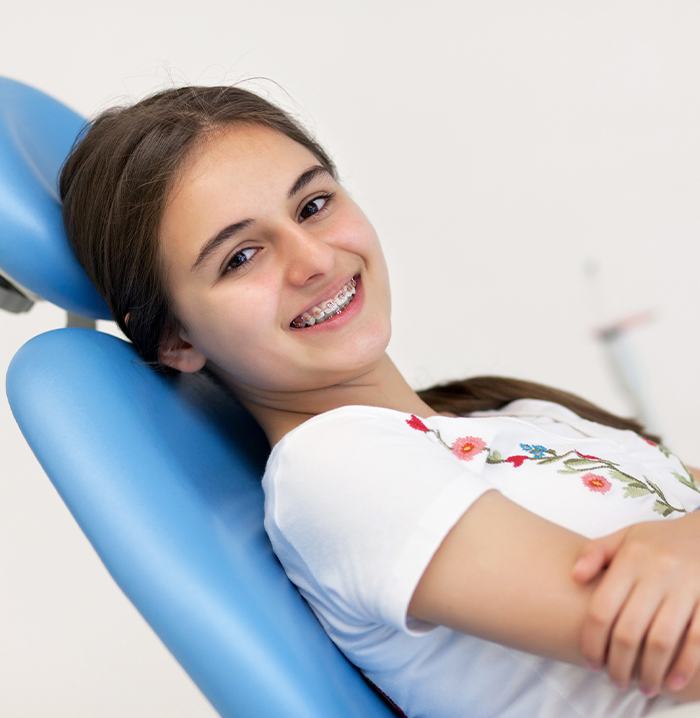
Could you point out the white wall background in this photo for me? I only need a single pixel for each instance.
(496, 147)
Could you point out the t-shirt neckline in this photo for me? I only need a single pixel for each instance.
(318, 417)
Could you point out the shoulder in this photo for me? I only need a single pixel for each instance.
(357, 445)
(365, 495)
(359, 426)
(330, 432)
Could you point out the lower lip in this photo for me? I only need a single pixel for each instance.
(337, 321)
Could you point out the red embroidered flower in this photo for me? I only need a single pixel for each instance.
(517, 460)
(415, 423)
(649, 441)
(589, 456)
(467, 447)
(596, 482)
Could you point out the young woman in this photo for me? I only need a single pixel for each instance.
(435, 533)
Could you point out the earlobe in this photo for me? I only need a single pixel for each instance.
(181, 355)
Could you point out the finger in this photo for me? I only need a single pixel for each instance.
(688, 661)
(663, 639)
(603, 608)
(590, 563)
(596, 555)
(630, 627)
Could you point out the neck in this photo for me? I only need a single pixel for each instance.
(382, 386)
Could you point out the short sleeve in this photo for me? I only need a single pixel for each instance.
(365, 497)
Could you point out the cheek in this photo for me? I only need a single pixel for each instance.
(245, 323)
(256, 358)
(357, 234)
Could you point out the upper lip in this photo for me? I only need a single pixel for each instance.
(330, 291)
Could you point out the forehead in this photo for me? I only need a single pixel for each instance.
(240, 156)
(233, 173)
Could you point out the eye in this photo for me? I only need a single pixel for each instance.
(327, 199)
(232, 265)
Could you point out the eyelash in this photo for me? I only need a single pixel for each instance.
(230, 269)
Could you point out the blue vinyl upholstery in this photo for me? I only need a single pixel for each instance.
(162, 474)
(36, 134)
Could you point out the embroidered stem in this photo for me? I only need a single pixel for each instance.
(442, 441)
(688, 480)
(466, 448)
(589, 463)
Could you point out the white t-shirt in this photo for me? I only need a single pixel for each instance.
(359, 498)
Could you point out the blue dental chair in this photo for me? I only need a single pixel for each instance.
(162, 475)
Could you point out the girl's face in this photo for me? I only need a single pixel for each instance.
(298, 238)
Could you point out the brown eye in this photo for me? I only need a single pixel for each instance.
(312, 203)
(233, 266)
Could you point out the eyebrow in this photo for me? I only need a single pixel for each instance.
(223, 235)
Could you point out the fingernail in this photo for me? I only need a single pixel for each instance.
(676, 682)
(649, 692)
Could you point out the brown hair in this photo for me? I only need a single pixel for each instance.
(113, 186)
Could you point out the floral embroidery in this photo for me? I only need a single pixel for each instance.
(687, 480)
(536, 451)
(416, 423)
(516, 460)
(596, 482)
(588, 456)
(467, 447)
(634, 487)
(464, 448)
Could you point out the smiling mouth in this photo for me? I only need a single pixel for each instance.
(327, 309)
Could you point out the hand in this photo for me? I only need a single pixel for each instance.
(645, 609)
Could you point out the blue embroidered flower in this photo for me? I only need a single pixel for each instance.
(537, 451)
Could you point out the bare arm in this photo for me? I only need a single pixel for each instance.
(503, 573)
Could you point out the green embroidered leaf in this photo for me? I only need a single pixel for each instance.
(615, 474)
(661, 508)
(566, 471)
(664, 450)
(548, 460)
(639, 485)
(686, 481)
(580, 462)
(494, 457)
(634, 490)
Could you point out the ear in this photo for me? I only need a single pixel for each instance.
(178, 353)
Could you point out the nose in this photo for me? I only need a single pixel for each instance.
(306, 253)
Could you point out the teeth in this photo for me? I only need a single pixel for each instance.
(319, 313)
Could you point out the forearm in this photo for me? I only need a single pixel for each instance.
(504, 574)
(551, 605)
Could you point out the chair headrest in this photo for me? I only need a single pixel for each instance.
(36, 135)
